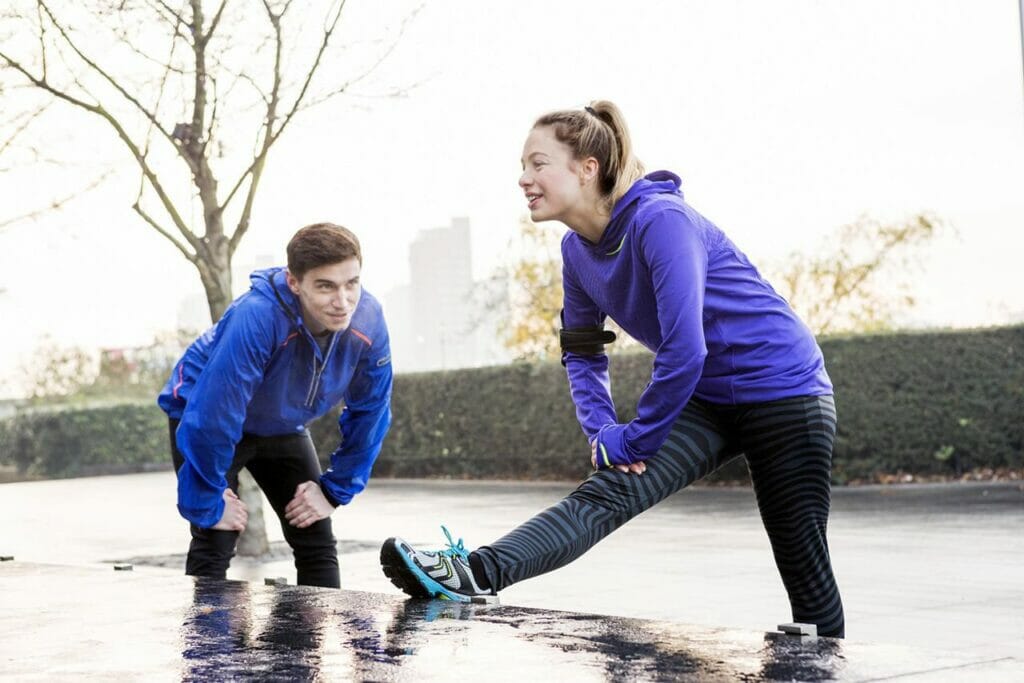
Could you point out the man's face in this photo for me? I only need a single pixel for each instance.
(329, 295)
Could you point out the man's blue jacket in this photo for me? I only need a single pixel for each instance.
(260, 371)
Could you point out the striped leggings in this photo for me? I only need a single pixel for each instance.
(788, 446)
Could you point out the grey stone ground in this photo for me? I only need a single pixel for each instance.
(932, 566)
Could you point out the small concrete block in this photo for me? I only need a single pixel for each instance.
(799, 629)
(123, 567)
(485, 600)
(6, 558)
(275, 581)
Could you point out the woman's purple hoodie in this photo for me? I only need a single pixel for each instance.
(675, 283)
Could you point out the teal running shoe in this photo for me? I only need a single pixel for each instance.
(443, 574)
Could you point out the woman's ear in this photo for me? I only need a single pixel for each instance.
(588, 170)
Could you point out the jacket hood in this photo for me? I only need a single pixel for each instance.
(272, 283)
(655, 183)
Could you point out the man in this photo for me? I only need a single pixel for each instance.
(301, 340)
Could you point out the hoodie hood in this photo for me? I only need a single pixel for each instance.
(655, 183)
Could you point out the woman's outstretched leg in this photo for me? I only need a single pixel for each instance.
(563, 532)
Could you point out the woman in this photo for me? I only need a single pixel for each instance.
(735, 371)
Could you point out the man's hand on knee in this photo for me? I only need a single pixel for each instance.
(235, 515)
(308, 506)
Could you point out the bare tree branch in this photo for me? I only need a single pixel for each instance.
(213, 111)
(380, 60)
(123, 38)
(168, 68)
(121, 133)
(255, 170)
(162, 8)
(199, 51)
(20, 127)
(42, 38)
(194, 146)
(156, 226)
(151, 116)
(328, 31)
(215, 22)
(242, 76)
(56, 204)
(255, 86)
(149, 138)
(137, 207)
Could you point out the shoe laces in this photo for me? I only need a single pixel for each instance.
(454, 549)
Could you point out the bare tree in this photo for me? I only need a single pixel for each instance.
(184, 89)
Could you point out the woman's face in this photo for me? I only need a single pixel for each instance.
(551, 178)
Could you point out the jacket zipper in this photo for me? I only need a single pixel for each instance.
(318, 370)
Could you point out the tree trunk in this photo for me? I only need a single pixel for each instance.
(253, 541)
(214, 265)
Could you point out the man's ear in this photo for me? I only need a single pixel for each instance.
(293, 282)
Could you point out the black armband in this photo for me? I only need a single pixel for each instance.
(586, 341)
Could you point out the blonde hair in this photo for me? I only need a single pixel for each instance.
(599, 130)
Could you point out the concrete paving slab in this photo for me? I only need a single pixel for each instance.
(61, 622)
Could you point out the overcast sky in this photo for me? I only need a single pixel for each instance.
(785, 120)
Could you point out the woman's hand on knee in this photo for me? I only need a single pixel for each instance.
(235, 515)
(631, 468)
(308, 506)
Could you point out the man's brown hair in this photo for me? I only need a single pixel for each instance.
(321, 244)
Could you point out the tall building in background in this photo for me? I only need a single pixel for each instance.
(193, 312)
(443, 319)
(441, 274)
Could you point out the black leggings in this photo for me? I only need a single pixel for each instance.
(788, 446)
(278, 464)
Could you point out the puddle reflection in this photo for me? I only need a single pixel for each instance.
(235, 630)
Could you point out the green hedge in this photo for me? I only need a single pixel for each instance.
(507, 422)
(928, 403)
(77, 441)
(924, 403)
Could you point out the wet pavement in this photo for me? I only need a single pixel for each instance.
(931, 579)
(93, 623)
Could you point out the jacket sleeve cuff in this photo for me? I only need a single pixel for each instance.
(203, 518)
(335, 498)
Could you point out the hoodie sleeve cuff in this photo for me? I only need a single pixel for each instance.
(611, 447)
